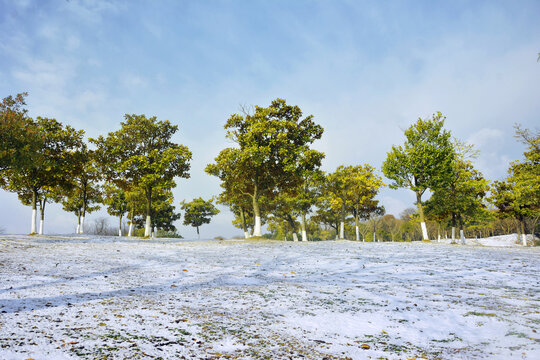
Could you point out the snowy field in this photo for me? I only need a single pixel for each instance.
(110, 298)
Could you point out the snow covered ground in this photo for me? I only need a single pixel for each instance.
(110, 298)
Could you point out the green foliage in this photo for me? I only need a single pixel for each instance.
(424, 161)
(115, 199)
(19, 135)
(198, 212)
(273, 152)
(47, 169)
(142, 155)
(518, 196)
(425, 158)
(83, 194)
(460, 198)
(351, 190)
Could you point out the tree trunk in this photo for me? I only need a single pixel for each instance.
(422, 219)
(294, 236)
(342, 223)
(523, 233)
(256, 213)
(198, 235)
(244, 227)
(356, 225)
(374, 237)
(148, 225)
(120, 226)
(42, 214)
(78, 222)
(304, 234)
(461, 232)
(131, 223)
(34, 211)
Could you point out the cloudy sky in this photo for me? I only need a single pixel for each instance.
(366, 70)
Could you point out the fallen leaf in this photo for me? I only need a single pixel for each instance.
(365, 346)
(185, 270)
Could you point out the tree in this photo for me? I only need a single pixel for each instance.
(19, 136)
(198, 212)
(48, 167)
(423, 162)
(352, 189)
(83, 192)
(273, 151)
(142, 155)
(518, 196)
(163, 210)
(460, 198)
(117, 204)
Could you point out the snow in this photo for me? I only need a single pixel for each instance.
(72, 297)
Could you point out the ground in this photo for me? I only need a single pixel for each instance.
(110, 298)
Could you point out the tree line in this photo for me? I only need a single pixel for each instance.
(272, 175)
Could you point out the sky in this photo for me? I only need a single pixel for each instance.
(366, 71)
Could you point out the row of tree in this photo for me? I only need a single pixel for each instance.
(270, 176)
(131, 171)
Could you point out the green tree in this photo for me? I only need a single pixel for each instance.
(48, 168)
(117, 204)
(142, 155)
(19, 135)
(198, 212)
(423, 162)
(460, 198)
(273, 151)
(352, 189)
(84, 190)
(518, 196)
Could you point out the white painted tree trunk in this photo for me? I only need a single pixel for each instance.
(462, 236)
(257, 229)
(147, 227)
(78, 228)
(130, 232)
(246, 234)
(424, 230)
(82, 225)
(375, 237)
(357, 234)
(294, 236)
(40, 226)
(342, 230)
(524, 239)
(119, 232)
(439, 238)
(34, 218)
(304, 235)
(453, 234)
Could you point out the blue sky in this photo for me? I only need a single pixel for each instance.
(366, 70)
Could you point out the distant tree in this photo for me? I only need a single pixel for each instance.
(326, 215)
(273, 152)
(83, 191)
(198, 212)
(518, 196)
(460, 198)
(392, 226)
(117, 204)
(163, 211)
(423, 162)
(142, 155)
(48, 168)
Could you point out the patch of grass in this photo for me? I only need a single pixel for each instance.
(476, 313)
